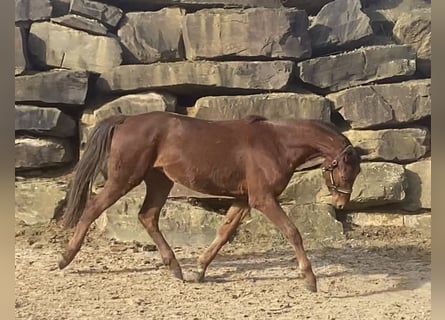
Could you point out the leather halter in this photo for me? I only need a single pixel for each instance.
(330, 168)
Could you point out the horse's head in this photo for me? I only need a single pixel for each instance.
(340, 174)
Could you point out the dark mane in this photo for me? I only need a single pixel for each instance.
(331, 128)
(254, 118)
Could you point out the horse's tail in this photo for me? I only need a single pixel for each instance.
(87, 169)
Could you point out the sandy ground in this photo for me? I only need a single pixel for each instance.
(376, 274)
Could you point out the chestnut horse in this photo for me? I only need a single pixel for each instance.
(251, 160)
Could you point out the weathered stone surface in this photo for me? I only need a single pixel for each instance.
(396, 145)
(20, 50)
(421, 222)
(312, 7)
(273, 106)
(418, 194)
(385, 13)
(86, 125)
(32, 10)
(81, 23)
(340, 24)
(185, 224)
(57, 86)
(105, 13)
(384, 105)
(35, 153)
(60, 8)
(316, 223)
(305, 188)
(414, 28)
(128, 104)
(366, 219)
(45, 121)
(193, 5)
(55, 45)
(35, 199)
(132, 104)
(253, 76)
(152, 36)
(181, 223)
(219, 33)
(358, 67)
(378, 183)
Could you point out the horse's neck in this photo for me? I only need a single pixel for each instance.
(313, 141)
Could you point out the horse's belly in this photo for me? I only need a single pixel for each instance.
(219, 181)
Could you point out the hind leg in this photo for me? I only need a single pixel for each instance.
(158, 188)
(111, 192)
(234, 216)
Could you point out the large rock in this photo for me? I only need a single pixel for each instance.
(385, 13)
(316, 223)
(32, 10)
(20, 50)
(86, 125)
(107, 14)
(44, 121)
(418, 194)
(420, 222)
(186, 224)
(378, 183)
(132, 104)
(37, 153)
(375, 219)
(223, 33)
(35, 199)
(152, 36)
(57, 86)
(185, 76)
(193, 5)
(312, 7)
(414, 28)
(305, 188)
(384, 105)
(181, 223)
(357, 67)
(81, 23)
(54, 45)
(273, 106)
(340, 24)
(395, 145)
(60, 8)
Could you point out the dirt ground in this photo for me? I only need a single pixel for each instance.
(378, 273)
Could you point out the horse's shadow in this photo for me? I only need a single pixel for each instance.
(410, 265)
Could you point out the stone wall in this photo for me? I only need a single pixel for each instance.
(363, 65)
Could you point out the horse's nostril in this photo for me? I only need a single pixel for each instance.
(340, 206)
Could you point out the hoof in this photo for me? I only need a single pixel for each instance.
(177, 274)
(195, 277)
(312, 287)
(63, 263)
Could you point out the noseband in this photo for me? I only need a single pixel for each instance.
(330, 168)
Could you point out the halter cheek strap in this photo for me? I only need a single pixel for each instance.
(330, 168)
